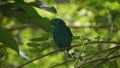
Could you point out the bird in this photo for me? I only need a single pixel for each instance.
(62, 34)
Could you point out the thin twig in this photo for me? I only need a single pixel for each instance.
(112, 51)
(90, 42)
(37, 58)
(100, 63)
(94, 42)
(106, 59)
(103, 61)
(93, 55)
(102, 51)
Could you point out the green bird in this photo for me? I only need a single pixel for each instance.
(62, 34)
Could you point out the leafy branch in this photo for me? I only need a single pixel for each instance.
(90, 42)
(104, 59)
(92, 55)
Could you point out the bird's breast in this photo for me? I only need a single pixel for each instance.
(62, 35)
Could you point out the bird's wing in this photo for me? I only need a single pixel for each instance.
(62, 36)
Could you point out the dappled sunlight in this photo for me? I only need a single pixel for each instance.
(38, 33)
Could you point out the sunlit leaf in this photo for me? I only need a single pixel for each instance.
(42, 6)
(118, 62)
(49, 8)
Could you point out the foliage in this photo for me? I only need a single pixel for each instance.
(25, 33)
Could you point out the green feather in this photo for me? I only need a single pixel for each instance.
(62, 34)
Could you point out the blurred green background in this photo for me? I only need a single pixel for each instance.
(25, 28)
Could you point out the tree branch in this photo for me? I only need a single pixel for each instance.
(37, 58)
(105, 59)
(93, 55)
(90, 42)
(94, 42)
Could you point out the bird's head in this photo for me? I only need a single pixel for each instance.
(57, 22)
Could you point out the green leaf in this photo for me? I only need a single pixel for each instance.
(38, 47)
(49, 8)
(76, 37)
(32, 44)
(7, 40)
(40, 39)
(113, 64)
(118, 62)
(43, 38)
(2, 46)
(43, 48)
(43, 6)
(25, 13)
(89, 65)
